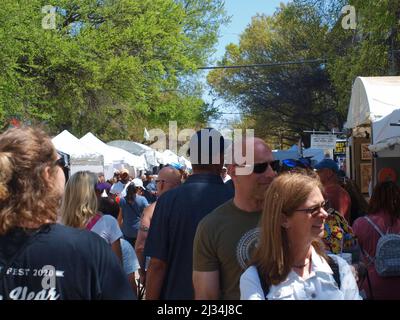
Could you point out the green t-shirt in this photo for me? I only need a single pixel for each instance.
(224, 241)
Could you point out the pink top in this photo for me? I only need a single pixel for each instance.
(382, 287)
(339, 199)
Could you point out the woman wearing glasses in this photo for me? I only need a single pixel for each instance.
(289, 262)
(40, 259)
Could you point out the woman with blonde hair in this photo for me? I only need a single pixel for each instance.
(40, 259)
(79, 210)
(289, 261)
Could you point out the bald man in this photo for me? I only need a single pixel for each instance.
(168, 178)
(226, 237)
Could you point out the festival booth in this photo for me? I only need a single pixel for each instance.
(81, 157)
(372, 111)
(386, 146)
(114, 158)
(149, 155)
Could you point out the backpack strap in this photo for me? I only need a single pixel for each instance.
(93, 221)
(332, 263)
(335, 268)
(263, 283)
(374, 225)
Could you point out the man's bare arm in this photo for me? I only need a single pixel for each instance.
(155, 278)
(206, 285)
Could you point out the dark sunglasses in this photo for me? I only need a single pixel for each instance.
(61, 163)
(314, 211)
(261, 167)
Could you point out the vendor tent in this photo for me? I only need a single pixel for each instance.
(372, 99)
(130, 146)
(386, 131)
(374, 104)
(82, 157)
(113, 154)
(115, 158)
(151, 156)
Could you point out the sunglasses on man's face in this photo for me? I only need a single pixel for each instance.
(262, 167)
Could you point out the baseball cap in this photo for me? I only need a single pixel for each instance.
(124, 171)
(327, 164)
(138, 183)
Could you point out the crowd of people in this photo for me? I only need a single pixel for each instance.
(251, 229)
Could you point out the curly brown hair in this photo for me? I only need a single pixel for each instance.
(25, 195)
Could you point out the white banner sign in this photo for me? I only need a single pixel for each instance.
(323, 141)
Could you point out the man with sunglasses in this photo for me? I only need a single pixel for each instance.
(226, 237)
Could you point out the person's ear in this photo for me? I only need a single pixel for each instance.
(47, 175)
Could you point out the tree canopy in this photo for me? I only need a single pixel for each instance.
(109, 66)
(283, 100)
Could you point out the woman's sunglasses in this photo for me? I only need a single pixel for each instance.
(314, 211)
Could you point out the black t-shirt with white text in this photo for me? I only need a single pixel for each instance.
(63, 263)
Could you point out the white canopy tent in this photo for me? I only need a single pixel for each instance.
(374, 104)
(375, 101)
(386, 132)
(151, 156)
(169, 157)
(82, 157)
(185, 162)
(372, 99)
(114, 158)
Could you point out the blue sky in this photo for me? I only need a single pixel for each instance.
(241, 12)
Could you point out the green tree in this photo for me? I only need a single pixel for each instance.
(282, 100)
(111, 67)
(372, 49)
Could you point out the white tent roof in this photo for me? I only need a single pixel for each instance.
(112, 154)
(169, 157)
(386, 135)
(372, 99)
(69, 144)
(130, 146)
(153, 157)
(186, 162)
